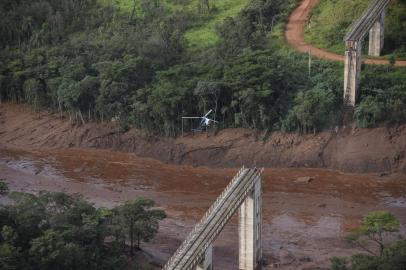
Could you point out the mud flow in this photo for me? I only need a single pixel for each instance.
(304, 221)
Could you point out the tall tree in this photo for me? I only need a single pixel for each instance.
(140, 221)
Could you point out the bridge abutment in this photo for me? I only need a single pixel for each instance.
(207, 261)
(243, 193)
(250, 230)
(376, 36)
(352, 71)
(372, 21)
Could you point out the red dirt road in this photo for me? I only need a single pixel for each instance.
(294, 36)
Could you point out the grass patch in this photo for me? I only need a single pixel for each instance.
(205, 34)
(171, 5)
(201, 35)
(331, 19)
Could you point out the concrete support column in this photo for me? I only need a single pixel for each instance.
(207, 261)
(352, 70)
(250, 229)
(376, 36)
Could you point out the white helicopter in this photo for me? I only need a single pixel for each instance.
(204, 123)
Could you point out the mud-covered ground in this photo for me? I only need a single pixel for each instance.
(304, 223)
(343, 148)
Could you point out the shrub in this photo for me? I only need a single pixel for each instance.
(375, 229)
(338, 263)
(393, 258)
(382, 106)
(369, 112)
(311, 112)
(3, 187)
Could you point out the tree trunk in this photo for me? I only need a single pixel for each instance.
(131, 233)
(215, 109)
(81, 117)
(381, 245)
(60, 109)
(133, 11)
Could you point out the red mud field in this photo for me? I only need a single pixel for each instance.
(304, 223)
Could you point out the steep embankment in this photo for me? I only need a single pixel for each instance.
(349, 149)
(294, 35)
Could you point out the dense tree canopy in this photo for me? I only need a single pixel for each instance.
(56, 231)
(137, 68)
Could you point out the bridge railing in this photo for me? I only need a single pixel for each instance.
(219, 226)
(206, 215)
(360, 28)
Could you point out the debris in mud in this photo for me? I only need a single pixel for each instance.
(383, 174)
(287, 258)
(304, 180)
(315, 268)
(305, 259)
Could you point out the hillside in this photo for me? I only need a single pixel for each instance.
(203, 33)
(144, 67)
(330, 20)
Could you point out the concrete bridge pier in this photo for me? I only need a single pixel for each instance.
(207, 261)
(250, 230)
(352, 71)
(376, 36)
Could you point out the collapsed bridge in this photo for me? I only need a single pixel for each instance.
(371, 22)
(244, 193)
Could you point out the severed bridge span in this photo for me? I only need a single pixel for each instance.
(244, 193)
(371, 22)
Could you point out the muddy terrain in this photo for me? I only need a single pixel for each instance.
(304, 222)
(346, 149)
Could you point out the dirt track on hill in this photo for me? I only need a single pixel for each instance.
(347, 149)
(294, 35)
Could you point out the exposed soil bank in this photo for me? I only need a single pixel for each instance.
(349, 149)
(304, 224)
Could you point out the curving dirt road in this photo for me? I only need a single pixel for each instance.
(294, 36)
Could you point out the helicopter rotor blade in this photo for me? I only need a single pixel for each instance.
(207, 114)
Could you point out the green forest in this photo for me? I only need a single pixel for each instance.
(147, 63)
(53, 230)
